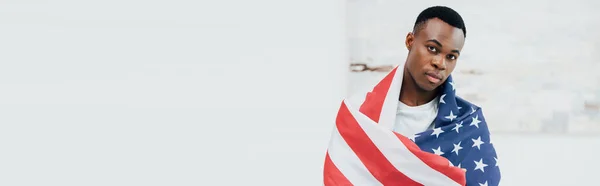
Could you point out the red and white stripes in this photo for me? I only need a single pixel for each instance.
(363, 149)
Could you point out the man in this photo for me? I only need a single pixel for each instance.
(364, 150)
(434, 47)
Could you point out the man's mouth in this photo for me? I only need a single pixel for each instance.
(433, 78)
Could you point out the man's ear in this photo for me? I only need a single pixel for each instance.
(410, 38)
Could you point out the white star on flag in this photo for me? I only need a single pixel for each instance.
(480, 165)
(438, 151)
(451, 116)
(457, 147)
(477, 142)
(458, 125)
(483, 184)
(442, 99)
(437, 132)
(475, 121)
(496, 161)
(473, 110)
(459, 108)
(452, 83)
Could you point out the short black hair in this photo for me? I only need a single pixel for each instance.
(446, 14)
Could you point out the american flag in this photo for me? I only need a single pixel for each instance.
(364, 150)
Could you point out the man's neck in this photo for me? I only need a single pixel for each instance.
(412, 95)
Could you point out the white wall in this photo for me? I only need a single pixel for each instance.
(177, 92)
(548, 160)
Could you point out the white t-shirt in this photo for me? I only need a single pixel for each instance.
(413, 120)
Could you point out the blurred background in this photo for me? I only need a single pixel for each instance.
(531, 65)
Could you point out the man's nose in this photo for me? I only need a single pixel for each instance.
(439, 62)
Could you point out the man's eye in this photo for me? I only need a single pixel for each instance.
(433, 49)
(452, 57)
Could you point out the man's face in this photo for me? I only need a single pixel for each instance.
(433, 53)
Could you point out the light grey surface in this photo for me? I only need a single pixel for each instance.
(177, 92)
(548, 160)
